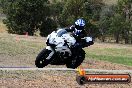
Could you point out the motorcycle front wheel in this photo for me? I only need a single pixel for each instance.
(41, 60)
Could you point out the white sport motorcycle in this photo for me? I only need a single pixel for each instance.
(62, 49)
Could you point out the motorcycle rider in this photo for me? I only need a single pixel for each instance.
(79, 32)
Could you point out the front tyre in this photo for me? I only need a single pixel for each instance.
(41, 60)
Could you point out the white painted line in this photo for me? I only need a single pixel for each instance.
(68, 69)
(53, 69)
(109, 71)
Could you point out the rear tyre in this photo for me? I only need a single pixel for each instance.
(74, 62)
(41, 60)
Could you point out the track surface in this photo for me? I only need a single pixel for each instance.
(62, 79)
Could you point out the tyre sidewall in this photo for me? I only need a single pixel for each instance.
(42, 57)
(77, 60)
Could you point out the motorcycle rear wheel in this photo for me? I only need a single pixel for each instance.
(41, 60)
(74, 62)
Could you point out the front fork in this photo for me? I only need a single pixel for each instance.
(52, 52)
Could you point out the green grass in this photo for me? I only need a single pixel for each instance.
(114, 59)
(120, 55)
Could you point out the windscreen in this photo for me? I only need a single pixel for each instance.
(61, 32)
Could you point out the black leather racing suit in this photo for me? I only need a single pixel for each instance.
(77, 37)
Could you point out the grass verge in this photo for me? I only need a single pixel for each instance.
(121, 54)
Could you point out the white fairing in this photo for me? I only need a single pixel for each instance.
(51, 54)
(51, 37)
(58, 38)
(59, 41)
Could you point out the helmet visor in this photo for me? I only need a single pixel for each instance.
(79, 27)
